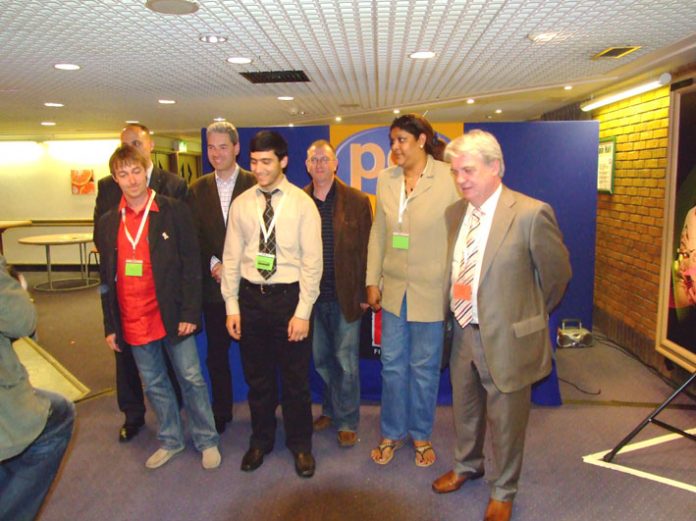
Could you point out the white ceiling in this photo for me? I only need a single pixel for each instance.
(354, 52)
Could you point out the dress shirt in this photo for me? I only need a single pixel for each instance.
(327, 287)
(148, 172)
(225, 187)
(487, 210)
(298, 245)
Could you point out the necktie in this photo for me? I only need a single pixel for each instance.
(463, 309)
(270, 246)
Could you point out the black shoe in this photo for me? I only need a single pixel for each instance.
(252, 459)
(304, 464)
(129, 431)
(221, 424)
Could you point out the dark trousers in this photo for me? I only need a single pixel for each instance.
(129, 389)
(267, 354)
(218, 361)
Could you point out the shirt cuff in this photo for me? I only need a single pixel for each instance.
(232, 306)
(303, 311)
(213, 261)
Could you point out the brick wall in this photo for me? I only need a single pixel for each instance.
(630, 221)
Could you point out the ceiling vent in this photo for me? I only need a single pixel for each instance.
(276, 76)
(616, 52)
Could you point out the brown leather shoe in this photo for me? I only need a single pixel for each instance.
(321, 423)
(452, 481)
(347, 438)
(498, 510)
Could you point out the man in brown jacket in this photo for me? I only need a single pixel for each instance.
(346, 217)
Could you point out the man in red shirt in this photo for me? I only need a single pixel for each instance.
(151, 299)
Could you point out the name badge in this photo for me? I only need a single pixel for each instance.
(265, 261)
(400, 241)
(134, 268)
(462, 291)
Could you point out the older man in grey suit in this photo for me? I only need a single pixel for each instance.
(510, 268)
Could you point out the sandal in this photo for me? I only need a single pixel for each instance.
(386, 451)
(421, 451)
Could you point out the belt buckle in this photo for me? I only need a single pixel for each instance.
(262, 288)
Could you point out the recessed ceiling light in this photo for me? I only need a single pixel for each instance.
(53, 104)
(212, 38)
(338, 119)
(48, 123)
(286, 98)
(291, 125)
(66, 67)
(568, 87)
(498, 111)
(489, 117)
(172, 6)
(541, 37)
(238, 60)
(470, 101)
(421, 55)
(132, 121)
(396, 111)
(167, 101)
(219, 119)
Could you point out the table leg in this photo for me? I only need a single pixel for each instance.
(83, 268)
(48, 267)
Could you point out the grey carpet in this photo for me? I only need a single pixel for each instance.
(104, 480)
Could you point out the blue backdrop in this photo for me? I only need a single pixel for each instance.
(552, 161)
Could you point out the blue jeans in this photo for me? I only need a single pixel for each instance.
(411, 353)
(160, 393)
(26, 478)
(336, 346)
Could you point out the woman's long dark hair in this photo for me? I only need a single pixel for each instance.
(417, 125)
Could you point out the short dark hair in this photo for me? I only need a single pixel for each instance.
(417, 125)
(266, 140)
(126, 155)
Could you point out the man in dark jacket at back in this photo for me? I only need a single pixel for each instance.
(129, 391)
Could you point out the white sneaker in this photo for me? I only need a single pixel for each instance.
(160, 457)
(211, 458)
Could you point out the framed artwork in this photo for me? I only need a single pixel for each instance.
(605, 165)
(676, 335)
(82, 182)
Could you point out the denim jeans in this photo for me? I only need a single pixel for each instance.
(26, 478)
(160, 393)
(411, 353)
(336, 346)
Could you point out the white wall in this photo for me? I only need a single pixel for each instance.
(35, 185)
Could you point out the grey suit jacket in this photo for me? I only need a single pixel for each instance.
(524, 272)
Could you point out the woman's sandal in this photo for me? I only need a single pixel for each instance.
(421, 451)
(386, 451)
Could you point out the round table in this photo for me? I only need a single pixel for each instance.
(61, 239)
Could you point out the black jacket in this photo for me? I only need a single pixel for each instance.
(204, 201)
(175, 264)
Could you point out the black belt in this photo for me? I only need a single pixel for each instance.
(269, 289)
